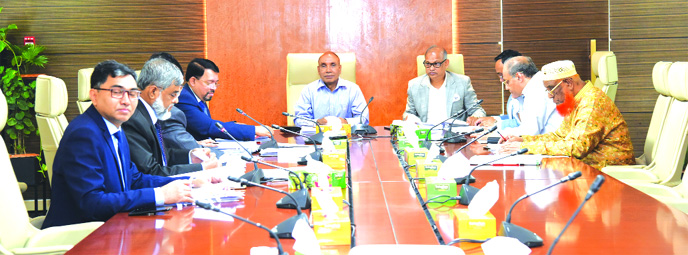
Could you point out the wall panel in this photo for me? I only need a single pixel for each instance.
(385, 35)
(79, 34)
(644, 32)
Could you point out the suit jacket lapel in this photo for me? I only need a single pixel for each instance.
(451, 91)
(98, 119)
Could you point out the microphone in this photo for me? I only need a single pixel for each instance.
(257, 174)
(523, 235)
(467, 192)
(593, 189)
(317, 138)
(478, 130)
(315, 155)
(451, 125)
(361, 128)
(272, 143)
(284, 229)
(492, 129)
(301, 195)
(211, 207)
(427, 142)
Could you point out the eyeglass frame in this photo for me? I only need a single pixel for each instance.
(436, 65)
(551, 91)
(137, 92)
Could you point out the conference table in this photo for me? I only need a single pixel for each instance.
(618, 219)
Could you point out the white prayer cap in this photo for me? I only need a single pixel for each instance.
(558, 70)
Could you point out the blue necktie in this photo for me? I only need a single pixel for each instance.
(158, 128)
(120, 142)
(204, 107)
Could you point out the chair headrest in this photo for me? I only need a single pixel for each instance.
(302, 68)
(3, 111)
(604, 66)
(678, 80)
(51, 96)
(455, 64)
(660, 77)
(84, 84)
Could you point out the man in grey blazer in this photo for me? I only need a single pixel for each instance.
(175, 135)
(438, 94)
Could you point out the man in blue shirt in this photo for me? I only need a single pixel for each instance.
(331, 96)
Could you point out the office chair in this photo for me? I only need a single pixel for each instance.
(18, 235)
(673, 140)
(302, 69)
(603, 64)
(83, 88)
(455, 64)
(51, 103)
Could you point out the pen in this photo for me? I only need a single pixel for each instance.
(500, 135)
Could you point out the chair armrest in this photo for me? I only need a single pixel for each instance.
(62, 235)
(37, 222)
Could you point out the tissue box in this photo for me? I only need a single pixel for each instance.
(338, 178)
(428, 169)
(482, 227)
(440, 186)
(403, 144)
(414, 156)
(345, 127)
(335, 159)
(335, 193)
(424, 133)
(307, 177)
(332, 230)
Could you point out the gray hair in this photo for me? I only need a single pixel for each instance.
(444, 52)
(521, 64)
(161, 73)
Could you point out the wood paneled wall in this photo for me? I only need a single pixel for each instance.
(79, 34)
(250, 40)
(644, 32)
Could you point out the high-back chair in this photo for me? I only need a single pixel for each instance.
(17, 234)
(660, 76)
(83, 88)
(51, 103)
(302, 69)
(603, 64)
(455, 64)
(672, 144)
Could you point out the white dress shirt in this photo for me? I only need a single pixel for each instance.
(437, 103)
(538, 114)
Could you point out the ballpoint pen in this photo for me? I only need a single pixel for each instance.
(500, 135)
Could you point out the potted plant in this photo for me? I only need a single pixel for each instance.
(20, 95)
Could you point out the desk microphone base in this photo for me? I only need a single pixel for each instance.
(301, 196)
(523, 235)
(284, 229)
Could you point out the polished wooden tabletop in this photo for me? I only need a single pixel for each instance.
(617, 220)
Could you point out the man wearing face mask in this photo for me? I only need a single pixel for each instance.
(160, 83)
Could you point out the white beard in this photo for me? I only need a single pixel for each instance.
(160, 112)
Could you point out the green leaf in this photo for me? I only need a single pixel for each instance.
(19, 115)
(27, 132)
(12, 26)
(26, 94)
(11, 122)
(19, 126)
(10, 100)
(22, 105)
(13, 135)
(28, 122)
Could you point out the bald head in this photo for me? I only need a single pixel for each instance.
(329, 69)
(520, 64)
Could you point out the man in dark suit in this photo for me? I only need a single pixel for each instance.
(160, 82)
(94, 177)
(201, 81)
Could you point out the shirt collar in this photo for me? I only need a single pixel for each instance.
(426, 81)
(321, 84)
(581, 93)
(150, 110)
(198, 99)
(536, 82)
(111, 127)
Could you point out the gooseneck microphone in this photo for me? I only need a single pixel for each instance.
(284, 229)
(451, 125)
(361, 128)
(492, 129)
(257, 174)
(427, 143)
(317, 138)
(209, 206)
(272, 143)
(467, 191)
(523, 235)
(593, 189)
(315, 154)
(301, 195)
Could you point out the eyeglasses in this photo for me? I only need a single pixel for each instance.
(436, 65)
(551, 91)
(118, 93)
